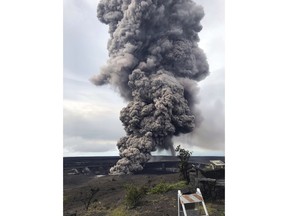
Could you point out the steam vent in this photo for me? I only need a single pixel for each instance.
(155, 63)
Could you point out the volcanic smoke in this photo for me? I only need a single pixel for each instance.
(155, 63)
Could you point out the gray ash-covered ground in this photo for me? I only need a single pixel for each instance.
(110, 199)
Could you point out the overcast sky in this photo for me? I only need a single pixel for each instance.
(91, 113)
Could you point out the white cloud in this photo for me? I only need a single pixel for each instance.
(90, 127)
(89, 112)
(84, 38)
(79, 144)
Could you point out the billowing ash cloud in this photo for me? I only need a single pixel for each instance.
(154, 62)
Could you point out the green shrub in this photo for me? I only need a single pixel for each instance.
(179, 185)
(160, 188)
(164, 187)
(134, 195)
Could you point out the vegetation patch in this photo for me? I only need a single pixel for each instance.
(164, 187)
(119, 211)
(134, 195)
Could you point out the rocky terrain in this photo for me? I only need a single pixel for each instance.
(89, 195)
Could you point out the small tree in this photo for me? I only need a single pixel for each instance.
(184, 156)
(88, 197)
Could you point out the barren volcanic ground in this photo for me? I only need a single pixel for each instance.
(110, 198)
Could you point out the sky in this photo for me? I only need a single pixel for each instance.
(91, 113)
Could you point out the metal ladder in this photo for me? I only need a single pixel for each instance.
(183, 199)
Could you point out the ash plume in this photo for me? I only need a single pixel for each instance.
(155, 63)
